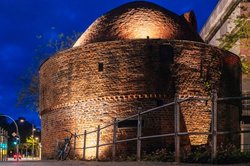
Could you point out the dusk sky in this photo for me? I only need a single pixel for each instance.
(22, 21)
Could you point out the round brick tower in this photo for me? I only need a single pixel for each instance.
(136, 57)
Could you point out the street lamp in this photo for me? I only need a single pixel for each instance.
(17, 134)
(33, 130)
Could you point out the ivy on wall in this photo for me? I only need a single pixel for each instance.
(241, 33)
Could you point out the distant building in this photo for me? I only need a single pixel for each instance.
(221, 22)
(3, 144)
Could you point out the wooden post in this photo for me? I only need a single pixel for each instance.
(177, 129)
(138, 152)
(84, 145)
(114, 140)
(214, 126)
(97, 142)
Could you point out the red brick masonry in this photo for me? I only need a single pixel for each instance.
(136, 75)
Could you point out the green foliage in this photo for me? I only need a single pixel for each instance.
(245, 66)
(241, 31)
(232, 155)
(126, 157)
(228, 154)
(159, 155)
(225, 155)
(29, 142)
(200, 154)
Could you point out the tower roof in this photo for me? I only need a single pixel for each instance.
(138, 20)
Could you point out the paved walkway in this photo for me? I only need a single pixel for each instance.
(94, 163)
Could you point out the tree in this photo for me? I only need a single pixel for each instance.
(29, 144)
(4, 122)
(29, 94)
(241, 33)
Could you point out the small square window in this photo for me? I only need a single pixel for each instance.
(159, 103)
(166, 54)
(100, 66)
(130, 123)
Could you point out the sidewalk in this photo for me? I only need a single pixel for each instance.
(94, 163)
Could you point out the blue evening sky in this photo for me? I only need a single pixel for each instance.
(21, 21)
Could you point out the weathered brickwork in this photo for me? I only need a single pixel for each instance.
(137, 75)
(106, 76)
(137, 20)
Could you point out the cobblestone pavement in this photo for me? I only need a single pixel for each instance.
(94, 163)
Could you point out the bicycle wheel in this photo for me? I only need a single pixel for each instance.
(59, 155)
(59, 150)
(66, 152)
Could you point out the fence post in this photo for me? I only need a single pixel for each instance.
(214, 126)
(97, 142)
(84, 145)
(114, 141)
(177, 128)
(74, 156)
(138, 151)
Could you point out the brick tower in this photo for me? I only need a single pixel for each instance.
(136, 57)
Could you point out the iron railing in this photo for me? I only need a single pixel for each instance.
(246, 105)
(177, 133)
(245, 147)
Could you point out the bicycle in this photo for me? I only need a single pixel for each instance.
(63, 150)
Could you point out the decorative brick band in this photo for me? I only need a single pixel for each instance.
(107, 98)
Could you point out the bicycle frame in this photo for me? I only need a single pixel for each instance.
(64, 151)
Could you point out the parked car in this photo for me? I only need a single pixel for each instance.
(15, 156)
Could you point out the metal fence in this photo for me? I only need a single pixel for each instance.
(177, 133)
(3, 144)
(246, 105)
(245, 147)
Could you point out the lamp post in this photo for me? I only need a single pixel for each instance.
(33, 130)
(37, 142)
(17, 133)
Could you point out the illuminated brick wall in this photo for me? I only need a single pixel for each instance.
(139, 19)
(136, 75)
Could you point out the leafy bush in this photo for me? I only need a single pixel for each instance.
(159, 155)
(199, 154)
(231, 154)
(225, 155)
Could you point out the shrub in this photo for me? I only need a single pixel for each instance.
(225, 155)
(159, 155)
